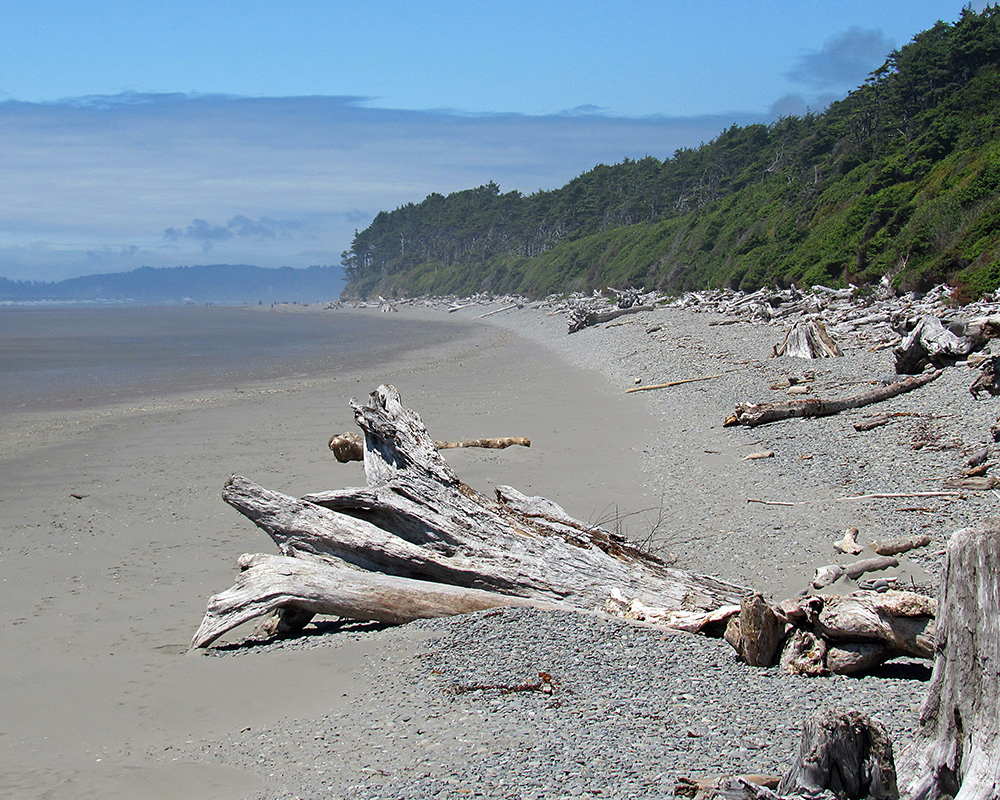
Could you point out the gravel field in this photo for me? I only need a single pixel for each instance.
(632, 709)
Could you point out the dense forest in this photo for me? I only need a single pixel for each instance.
(208, 283)
(899, 179)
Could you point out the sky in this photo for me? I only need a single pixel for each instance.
(257, 132)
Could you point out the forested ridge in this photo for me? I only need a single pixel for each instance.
(899, 179)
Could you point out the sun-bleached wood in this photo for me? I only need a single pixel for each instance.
(416, 520)
(956, 750)
(267, 583)
(752, 414)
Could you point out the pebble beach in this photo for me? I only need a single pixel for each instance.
(432, 709)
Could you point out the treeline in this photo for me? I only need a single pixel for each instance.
(899, 179)
(209, 283)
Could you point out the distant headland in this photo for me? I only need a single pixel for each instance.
(209, 283)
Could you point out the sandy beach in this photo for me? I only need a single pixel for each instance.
(113, 537)
(113, 533)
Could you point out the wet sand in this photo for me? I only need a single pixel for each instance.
(112, 537)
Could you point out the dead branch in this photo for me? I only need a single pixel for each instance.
(760, 413)
(350, 446)
(669, 384)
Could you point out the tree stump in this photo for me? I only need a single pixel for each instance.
(956, 751)
(847, 753)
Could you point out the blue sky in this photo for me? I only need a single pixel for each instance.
(261, 132)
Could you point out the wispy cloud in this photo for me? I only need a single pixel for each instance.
(163, 179)
(844, 61)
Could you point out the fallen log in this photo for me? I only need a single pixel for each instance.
(350, 446)
(581, 318)
(416, 520)
(760, 413)
(956, 749)
(859, 568)
(268, 583)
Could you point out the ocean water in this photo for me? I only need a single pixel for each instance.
(62, 357)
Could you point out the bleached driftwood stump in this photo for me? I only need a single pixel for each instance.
(417, 542)
(956, 750)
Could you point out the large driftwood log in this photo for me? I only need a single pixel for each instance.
(956, 750)
(582, 318)
(268, 583)
(759, 413)
(930, 342)
(415, 519)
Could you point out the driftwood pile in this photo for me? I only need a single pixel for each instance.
(955, 751)
(417, 542)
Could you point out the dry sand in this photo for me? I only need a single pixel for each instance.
(100, 595)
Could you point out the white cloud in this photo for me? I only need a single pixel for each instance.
(162, 180)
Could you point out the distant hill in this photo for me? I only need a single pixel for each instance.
(900, 179)
(213, 283)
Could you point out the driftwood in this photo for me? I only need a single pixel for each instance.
(669, 384)
(849, 544)
(268, 583)
(842, 634)
(848, 754)
(350, 446)
(956, 749)
(834, 572)
(987, 380)
(807, 340)
(930, 342)
(416, 520)
(760, 413)
(582, 317)
(897, 546)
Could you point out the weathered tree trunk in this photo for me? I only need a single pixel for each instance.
(582, 318)
(758, 632)
(847, 753)
(267, 583)
(956, 751)
(930, 342)
(417, 520)
(807, 340)
(759, 413)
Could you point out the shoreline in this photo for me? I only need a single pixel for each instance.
(130, 565)
(114, 536)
